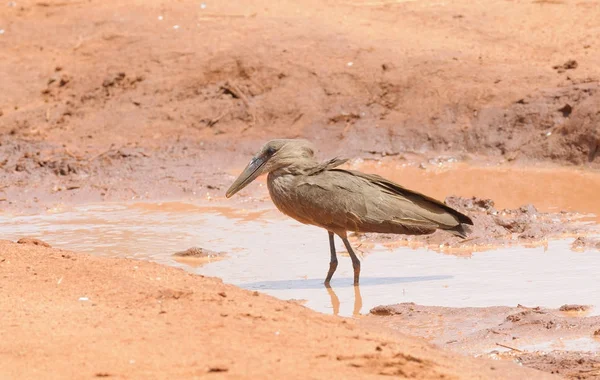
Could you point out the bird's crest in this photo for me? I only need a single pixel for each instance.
(330, 164)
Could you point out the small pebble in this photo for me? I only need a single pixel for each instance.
(160, 18)
(175, 27)
(84, 299)
(1, 31)
(202, 5)
(350, 64)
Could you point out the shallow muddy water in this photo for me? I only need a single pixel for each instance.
(579, 344)
(269, 252)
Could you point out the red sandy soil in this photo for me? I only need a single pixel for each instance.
(143, 320)
(103, 100)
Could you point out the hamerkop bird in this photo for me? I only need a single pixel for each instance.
(340, 200)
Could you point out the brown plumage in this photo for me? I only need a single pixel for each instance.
(341, 200)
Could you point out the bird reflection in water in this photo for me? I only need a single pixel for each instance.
(335, 301)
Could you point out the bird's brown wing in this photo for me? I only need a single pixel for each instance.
(338, 200)
(428, 207)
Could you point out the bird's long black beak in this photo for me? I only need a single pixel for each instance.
(253, 170)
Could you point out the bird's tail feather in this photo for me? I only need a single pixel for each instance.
(460, 230)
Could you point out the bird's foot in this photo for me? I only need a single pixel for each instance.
(332, 267)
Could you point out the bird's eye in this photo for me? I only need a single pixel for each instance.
(270, 151)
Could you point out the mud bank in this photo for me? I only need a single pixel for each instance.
(563, 341)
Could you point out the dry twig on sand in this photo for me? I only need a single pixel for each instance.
(509, 347)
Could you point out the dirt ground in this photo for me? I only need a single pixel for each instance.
(119, 100)
(112, 100)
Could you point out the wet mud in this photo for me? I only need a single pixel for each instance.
(585, 243)
(563, 341)
(197, 256)
(33, 241)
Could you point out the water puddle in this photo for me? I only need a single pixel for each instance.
(276, 255)
(585, 344)
(281, 257)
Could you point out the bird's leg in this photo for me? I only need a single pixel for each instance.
(333, 263)
(355, 260)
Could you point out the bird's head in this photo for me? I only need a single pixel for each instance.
(275, 154)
